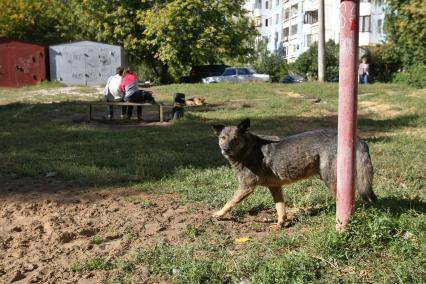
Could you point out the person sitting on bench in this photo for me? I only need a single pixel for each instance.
(129, 85)
(112, 92)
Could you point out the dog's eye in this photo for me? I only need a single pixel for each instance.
(222, 137)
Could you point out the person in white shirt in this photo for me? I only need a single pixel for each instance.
(363, 71)
(112, 92)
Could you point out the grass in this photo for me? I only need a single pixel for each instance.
(385, 243)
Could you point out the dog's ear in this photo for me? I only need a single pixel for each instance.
(217, 128)
(244, 125)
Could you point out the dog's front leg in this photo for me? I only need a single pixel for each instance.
(242, 192)
(277, 194)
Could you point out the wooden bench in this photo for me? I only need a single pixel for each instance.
(160, 107)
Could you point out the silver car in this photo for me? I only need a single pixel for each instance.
(238, 74)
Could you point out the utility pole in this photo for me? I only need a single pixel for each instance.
(347, 120)
(321, 42)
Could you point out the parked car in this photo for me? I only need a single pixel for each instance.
(199, 72)
(289, 79)
(238, 74)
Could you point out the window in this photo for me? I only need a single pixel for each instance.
(258, 21)
(277, 18)
(277, 3)
(267, 5)
(293, 29)
(364, 24)
(294, 10)
(380, 26)
(311, 17)
(308, 40)
(266, 22)
(286, 13)
(285, 34)
(258, 4)
(230, 72)
(243, 71)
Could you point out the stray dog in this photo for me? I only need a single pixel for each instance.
(272, 162)
(195, 101)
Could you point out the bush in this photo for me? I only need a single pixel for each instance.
(414, 76)
(417, 76)
(269, 63)
(307, 63)
(384, 61)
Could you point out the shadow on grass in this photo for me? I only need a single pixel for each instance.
(33, 144)
(396, 206)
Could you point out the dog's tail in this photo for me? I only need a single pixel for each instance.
(364, 177)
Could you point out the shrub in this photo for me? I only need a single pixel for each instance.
(384, 60)
(417, 76)
(307, 63)
(269, 63)
(414, 76)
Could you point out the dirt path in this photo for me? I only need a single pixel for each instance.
(48, 225)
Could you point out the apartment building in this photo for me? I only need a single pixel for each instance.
(290, 27)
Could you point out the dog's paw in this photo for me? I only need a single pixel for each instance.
(217, 215)
(277, 226)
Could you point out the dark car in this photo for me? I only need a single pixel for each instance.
(288, 79)
(199, 72)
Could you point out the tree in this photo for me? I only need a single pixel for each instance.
(189, 32)
(307, 63)
(405, 29)
(43, 21)
(169, 35)
(266, 62)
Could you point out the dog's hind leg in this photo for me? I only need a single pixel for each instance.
(328, 173)
(239, 195)
(277, 194)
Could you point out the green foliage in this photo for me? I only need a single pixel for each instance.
(44, 21)
(384, 61)
(270, 63)
(185, 32)
(307, 63)
(417, 76)
(414, 76)
(169, 36)
(405, 29)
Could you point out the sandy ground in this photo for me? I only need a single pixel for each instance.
(47, 225)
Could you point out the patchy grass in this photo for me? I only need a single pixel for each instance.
(97, 240)
(385, 243)
(96, 263)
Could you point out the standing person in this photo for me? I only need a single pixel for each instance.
(129, 85)
(363, 71)
(112, 92)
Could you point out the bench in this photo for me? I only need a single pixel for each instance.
(160, 107)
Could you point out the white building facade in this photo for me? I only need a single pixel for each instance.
(290, 27)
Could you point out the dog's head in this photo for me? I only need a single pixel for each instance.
(232, 139)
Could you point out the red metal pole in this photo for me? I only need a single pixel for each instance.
(348, 91)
